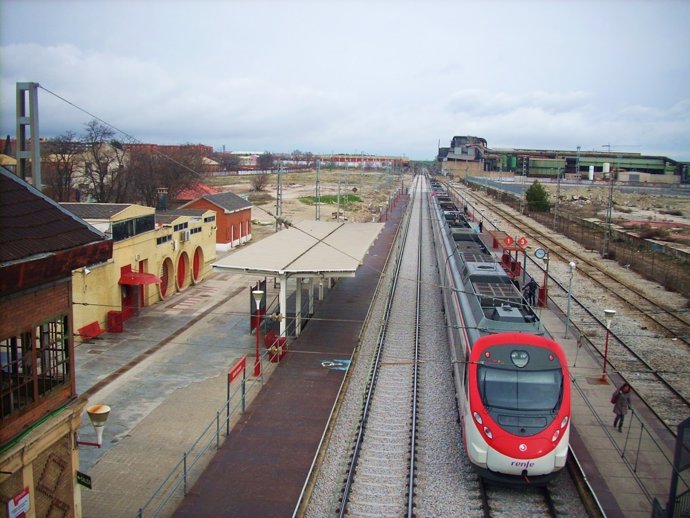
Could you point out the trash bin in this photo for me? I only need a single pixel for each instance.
(114, 322)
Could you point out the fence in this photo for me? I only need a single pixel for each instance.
(668, 266)
(175, 485)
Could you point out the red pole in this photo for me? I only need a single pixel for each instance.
(606, 354)
(257, 358)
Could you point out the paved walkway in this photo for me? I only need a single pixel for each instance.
(161, 405)
(623, 468)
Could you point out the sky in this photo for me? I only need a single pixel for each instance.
(389, 77)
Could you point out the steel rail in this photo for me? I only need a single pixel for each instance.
(373, 375)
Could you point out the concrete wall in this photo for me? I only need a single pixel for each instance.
(99, 292)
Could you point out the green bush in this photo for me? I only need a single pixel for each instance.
(537, 198)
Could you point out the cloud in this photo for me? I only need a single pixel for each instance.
(246, 107)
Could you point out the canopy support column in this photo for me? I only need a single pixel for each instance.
(298, 305)
(311, 296)
(283, 303)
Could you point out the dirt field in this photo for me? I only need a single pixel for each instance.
(666, 218)
(373, 188)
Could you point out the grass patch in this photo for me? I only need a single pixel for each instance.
(259, 198)
(346, 200)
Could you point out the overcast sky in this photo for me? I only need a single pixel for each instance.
(373, 77)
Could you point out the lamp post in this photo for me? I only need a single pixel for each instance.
(98, 415)
(258, 295)
(571, 266)
(609, 314)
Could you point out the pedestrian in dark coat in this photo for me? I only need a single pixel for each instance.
(621, 405)
(530, 291)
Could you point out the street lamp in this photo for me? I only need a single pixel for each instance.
(258, 295)
(98, 415)
(571, 266)
(609, 314)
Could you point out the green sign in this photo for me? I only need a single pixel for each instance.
(83, 479)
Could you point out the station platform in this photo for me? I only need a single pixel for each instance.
(160, 405)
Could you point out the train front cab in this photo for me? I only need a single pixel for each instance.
(513, 445)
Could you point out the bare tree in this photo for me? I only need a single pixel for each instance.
(265, 162)
(259, 181)
(174, 170)
(60, 155)
(104, 169)
(227, 161)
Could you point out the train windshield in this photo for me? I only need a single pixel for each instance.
(520, 390)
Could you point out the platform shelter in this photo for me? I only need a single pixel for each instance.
(308, 251)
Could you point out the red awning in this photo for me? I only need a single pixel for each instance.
(139, 278)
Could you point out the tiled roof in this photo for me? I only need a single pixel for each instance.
(31, 224)
(228, 201)
(176, 213)
(196, 191)
(95, 210)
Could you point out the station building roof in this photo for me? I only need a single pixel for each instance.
(306, 249)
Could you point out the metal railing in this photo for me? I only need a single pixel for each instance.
(176, 484)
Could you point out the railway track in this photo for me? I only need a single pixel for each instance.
(650, 356)
(499, 501)
(405, 456)
(380, 477)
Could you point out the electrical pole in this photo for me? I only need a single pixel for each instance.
(558, 197)
(279, 199)
(318, 191)
(522, 195)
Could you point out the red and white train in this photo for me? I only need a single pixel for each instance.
(512, 378)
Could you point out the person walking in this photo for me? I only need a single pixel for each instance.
(621, 404)
(530, 291)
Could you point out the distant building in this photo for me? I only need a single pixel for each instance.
(471, 155)
(233, 217)
(155, 255)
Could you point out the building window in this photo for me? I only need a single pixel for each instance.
(180, 226)
(32, 364)
(209, 219)
(133, 227)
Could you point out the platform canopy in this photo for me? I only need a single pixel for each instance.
(306, 249)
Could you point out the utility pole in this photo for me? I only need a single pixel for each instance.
(279, 199)
(318, 192)
(577, 164)
(28, 149)
(522, 184)
(609, 211)
(558, 197)
(337, 218)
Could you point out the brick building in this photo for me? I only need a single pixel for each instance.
(40, 411)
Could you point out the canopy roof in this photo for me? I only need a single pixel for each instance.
(306, 249)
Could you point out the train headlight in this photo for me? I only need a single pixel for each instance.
(477, 417)
(488, 433)
(519, 358)
(564, 422)
(555, 435)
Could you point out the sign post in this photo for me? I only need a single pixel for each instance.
(233, 374)
(84, 479)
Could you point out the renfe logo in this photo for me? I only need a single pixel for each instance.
(522, 463)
